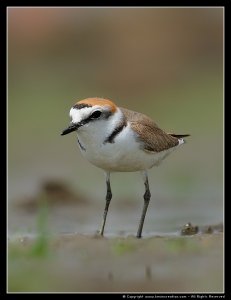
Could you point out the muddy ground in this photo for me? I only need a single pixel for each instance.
(81, 263)
(45, 259)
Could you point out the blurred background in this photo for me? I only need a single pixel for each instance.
(164, 62)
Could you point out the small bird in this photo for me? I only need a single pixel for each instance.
(116, 139)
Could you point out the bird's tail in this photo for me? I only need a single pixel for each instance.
(179, 136)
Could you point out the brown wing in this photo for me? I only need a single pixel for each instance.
(152, 137)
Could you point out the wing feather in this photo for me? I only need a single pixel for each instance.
(152, 137)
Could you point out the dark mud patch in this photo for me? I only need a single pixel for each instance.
(52, 193)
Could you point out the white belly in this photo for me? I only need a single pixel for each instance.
(124, 155)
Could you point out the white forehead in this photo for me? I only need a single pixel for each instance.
(78, 115)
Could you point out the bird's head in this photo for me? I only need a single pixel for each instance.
(90, 112)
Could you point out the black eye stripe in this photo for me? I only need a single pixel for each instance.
(104, 115)
(87, 120)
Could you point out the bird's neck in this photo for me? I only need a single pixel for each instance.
(96, 134)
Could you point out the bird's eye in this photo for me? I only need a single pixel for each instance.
(96, 114)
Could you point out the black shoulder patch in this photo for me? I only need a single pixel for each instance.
(115, 132)
(81, 146)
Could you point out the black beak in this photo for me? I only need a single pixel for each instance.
(69, 129)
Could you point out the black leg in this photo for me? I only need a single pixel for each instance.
(108, 200)
(147, 196)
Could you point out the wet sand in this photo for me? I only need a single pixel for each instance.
(43, 259)
(87, 263)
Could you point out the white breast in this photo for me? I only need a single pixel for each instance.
(124, 155)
